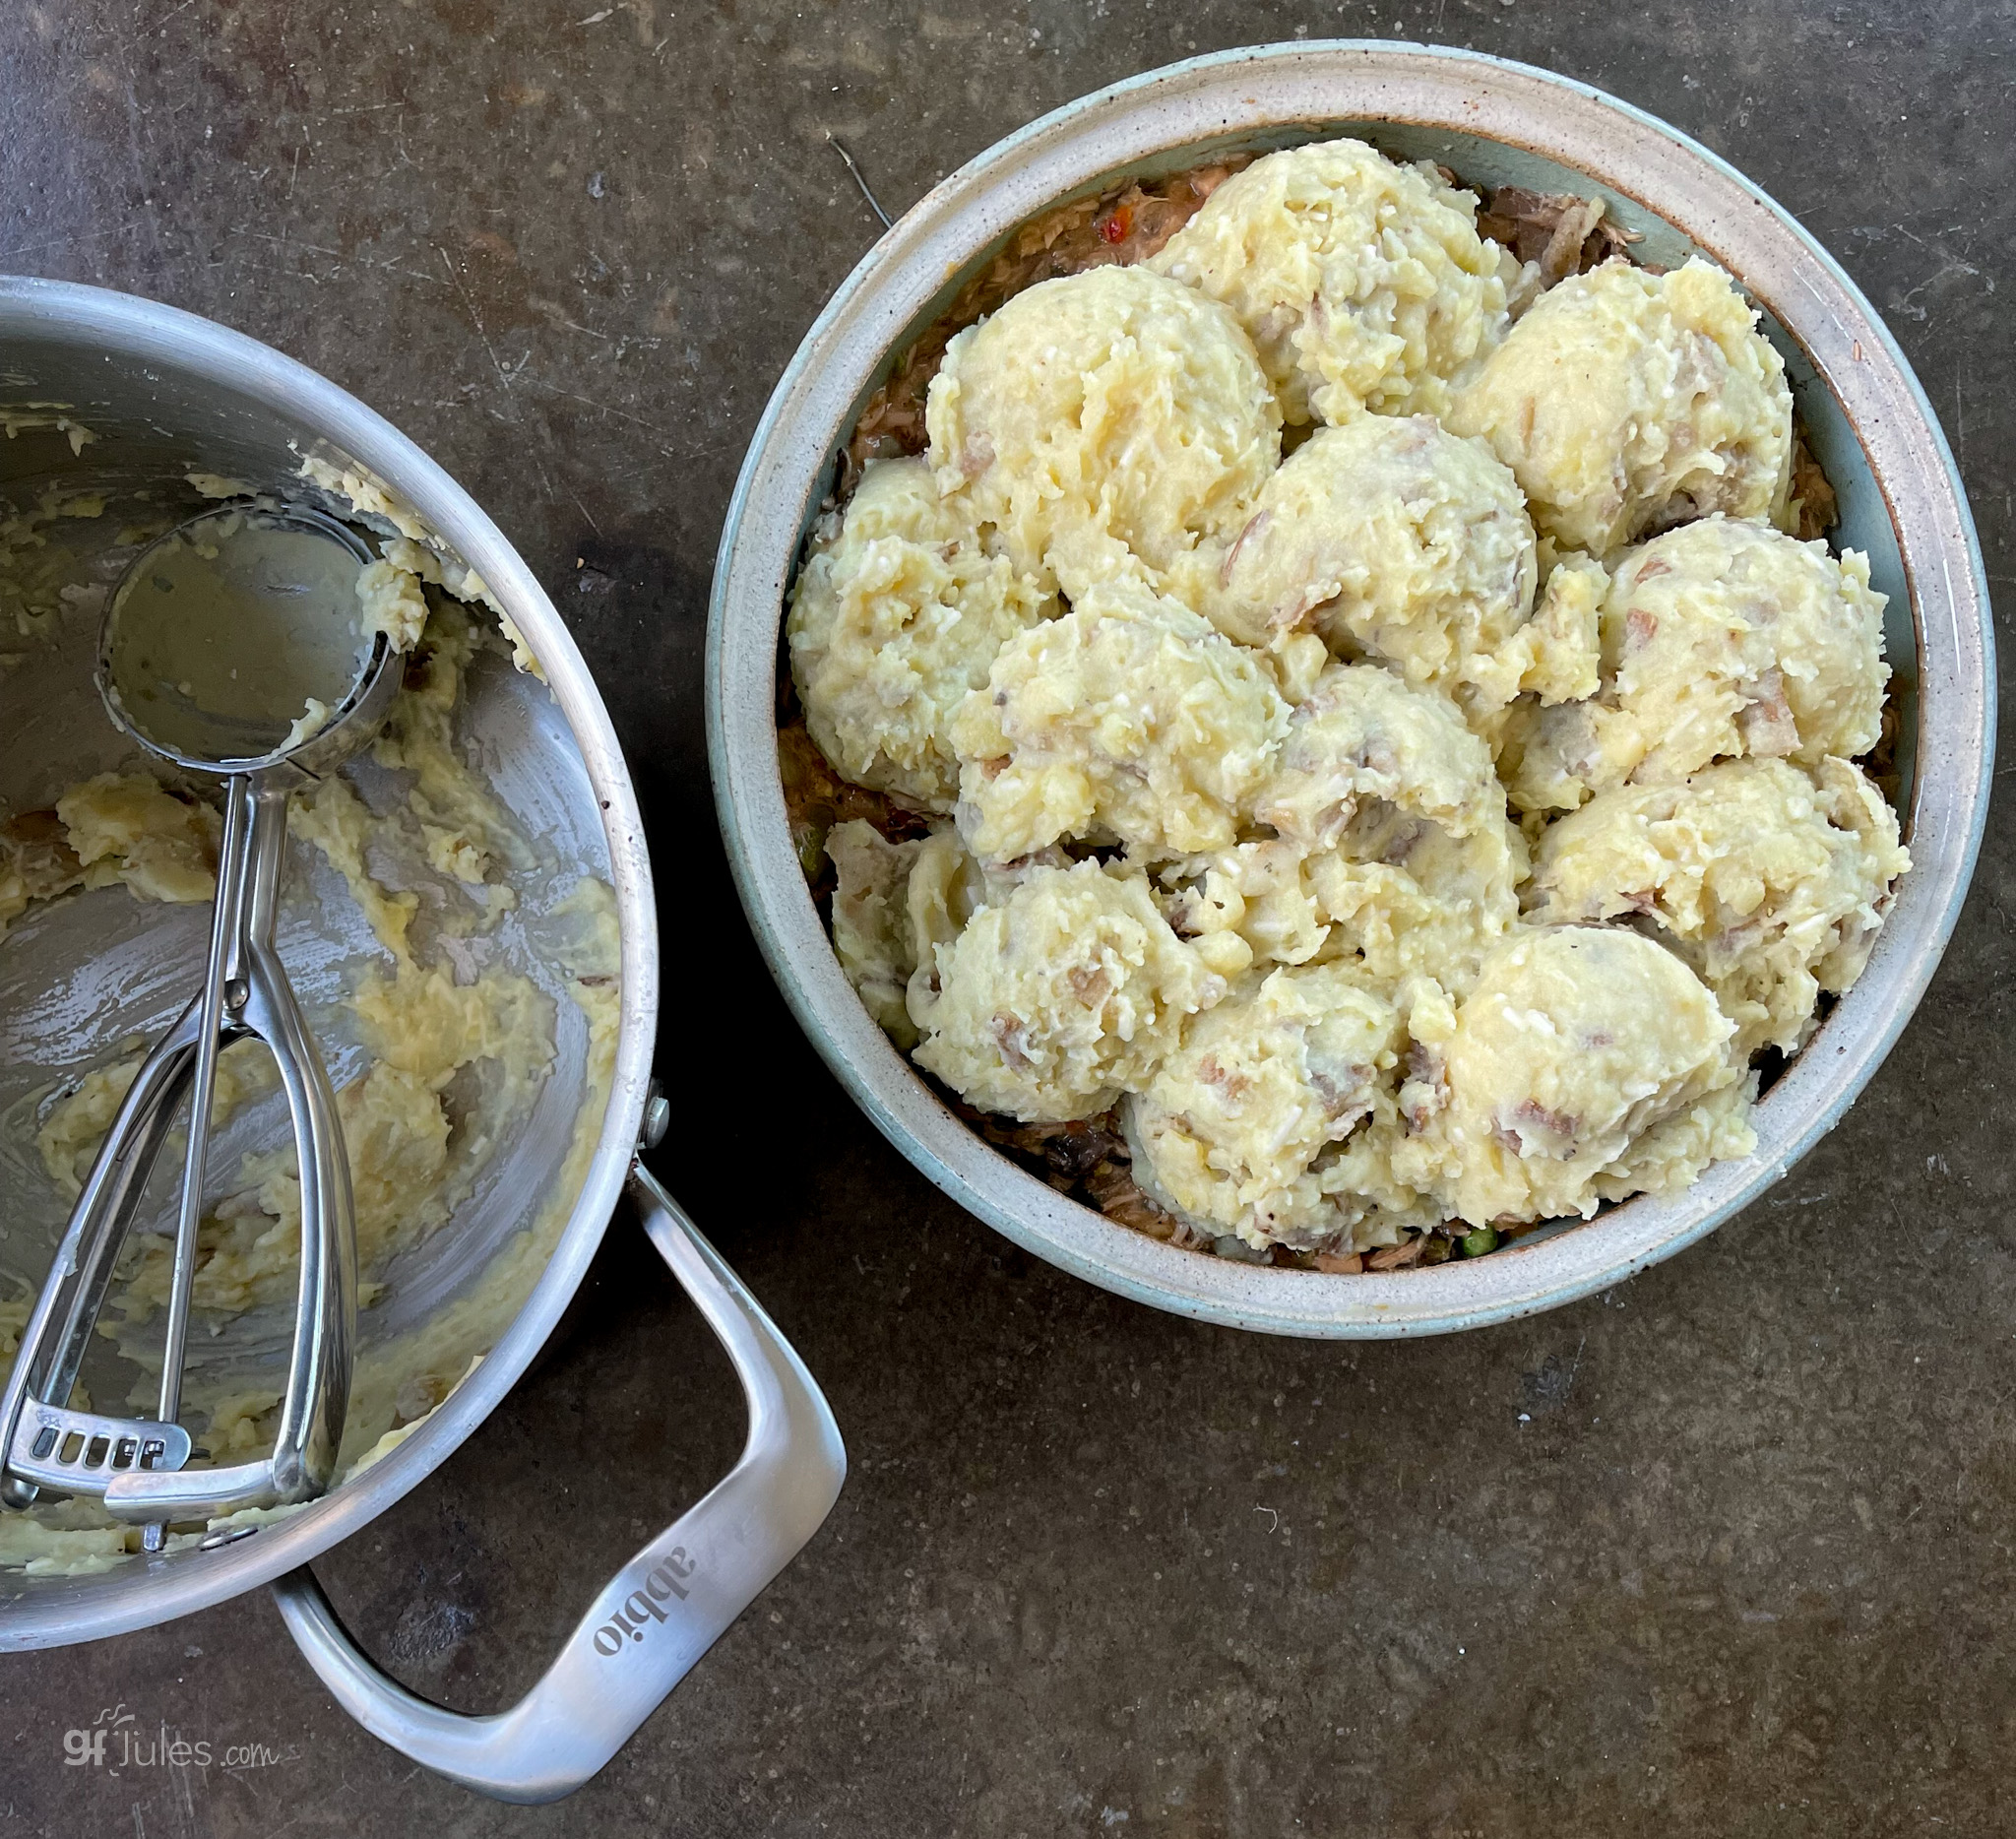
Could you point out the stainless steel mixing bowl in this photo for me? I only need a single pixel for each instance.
(1494, 123)
(163, 393)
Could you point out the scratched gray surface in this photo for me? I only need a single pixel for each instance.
(1725, 1551)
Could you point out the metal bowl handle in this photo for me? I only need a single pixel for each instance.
(665, 1609)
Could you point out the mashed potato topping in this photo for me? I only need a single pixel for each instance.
(1765, 879)
(1720, 640)
(1130, 719)
(1575, 1041)
(1626, 402)
(1054, 1001)
(1232, 909)
(1242, 1124)
(1363, 282)
(896, 616)
(1394, 539)
(1104, 422)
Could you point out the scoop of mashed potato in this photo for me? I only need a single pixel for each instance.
(1401, 898)
(1549, 758)
(1575, 1042)
(1627, 401)
(1720, 640)
(1130, 719)
(1364, 283)
(897, 614)
(1392, 842)
(1067, 992)
(1364, 737)
(1256, 895)
(1726, 639)
(1395, 540)
(1105, 423)
(1228, 1133)
(1556, 656)
(948, 885)
(1411, 900)
(1768, 881)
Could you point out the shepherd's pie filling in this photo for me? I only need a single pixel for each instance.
(1360, 855)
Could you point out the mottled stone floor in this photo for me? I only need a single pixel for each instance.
(1723, 1552)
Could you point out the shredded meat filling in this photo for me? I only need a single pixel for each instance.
(1559, 232)
(1820, 510)
(816, 798)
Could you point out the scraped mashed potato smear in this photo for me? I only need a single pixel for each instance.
(465, 961)
(1354, 857)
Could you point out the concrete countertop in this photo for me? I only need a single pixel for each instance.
(1725, 1550)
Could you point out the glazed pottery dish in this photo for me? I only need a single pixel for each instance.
(1350, 689)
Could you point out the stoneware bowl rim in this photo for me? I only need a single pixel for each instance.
(1326, 86)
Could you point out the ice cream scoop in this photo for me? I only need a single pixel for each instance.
(234, 646)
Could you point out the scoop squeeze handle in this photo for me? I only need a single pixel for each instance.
(664, 1609)
(251, 997)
